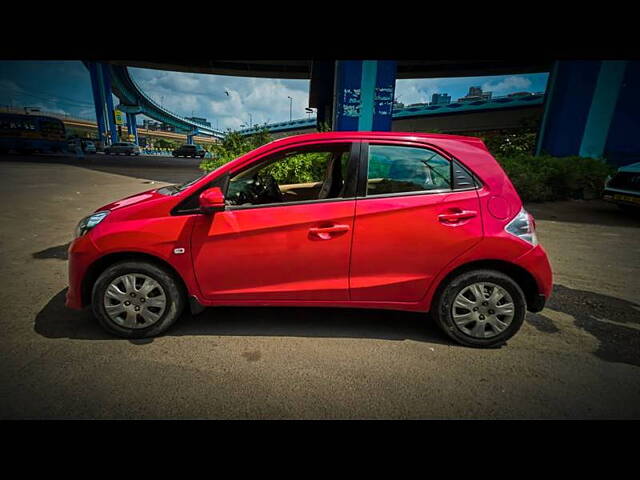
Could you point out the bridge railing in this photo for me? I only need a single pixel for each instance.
(169, 116)
(425, 108)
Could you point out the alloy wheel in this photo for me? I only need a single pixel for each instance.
(135, 301)
(483, 310)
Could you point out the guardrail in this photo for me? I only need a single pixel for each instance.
(495, 103)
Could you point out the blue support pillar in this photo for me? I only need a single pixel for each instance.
(591, 111)
(603, 104)
(364, 92)
(98, 100)
(132, 127)
(106, 81)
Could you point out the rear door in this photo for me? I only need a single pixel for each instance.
(416, 211)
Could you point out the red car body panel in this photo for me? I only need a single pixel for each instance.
(377, 252)
(272, 254)
(399, 245)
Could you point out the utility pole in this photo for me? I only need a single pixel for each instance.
(290, 108)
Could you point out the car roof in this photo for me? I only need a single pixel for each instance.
(631, 168)
(416, 136)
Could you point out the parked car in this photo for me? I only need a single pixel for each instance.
(72, 144)
(122, 148)
(405, 221)
(623, 188)
(88, 146)
(188, 150)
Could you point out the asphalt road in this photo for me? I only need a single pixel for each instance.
(579, 358)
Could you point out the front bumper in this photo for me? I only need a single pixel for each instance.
(622, 197)
(82, 253)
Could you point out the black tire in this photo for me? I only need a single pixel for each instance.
(172, 288)
(443, 304)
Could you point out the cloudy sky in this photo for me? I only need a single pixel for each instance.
(65, 87)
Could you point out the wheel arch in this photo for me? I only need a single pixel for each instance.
(522, 277)
(100, 265)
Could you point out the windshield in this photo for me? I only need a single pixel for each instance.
(174, 189)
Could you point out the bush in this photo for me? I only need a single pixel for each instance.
(537, 179)
(547, 178)
(232, 146)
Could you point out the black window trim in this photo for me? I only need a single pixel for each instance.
(364, 170)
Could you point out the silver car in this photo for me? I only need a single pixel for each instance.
(122, 148)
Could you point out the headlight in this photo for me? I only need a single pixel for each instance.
(87, 223)
(523, 227)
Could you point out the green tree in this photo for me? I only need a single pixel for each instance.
(233, 145)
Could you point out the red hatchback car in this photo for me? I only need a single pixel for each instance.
(404, 221)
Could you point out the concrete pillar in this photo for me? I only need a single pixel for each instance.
(591, 111)
(98, 99)
(132, 127)
(106, 80)
(364, 92)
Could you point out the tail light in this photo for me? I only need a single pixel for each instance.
(523, 226)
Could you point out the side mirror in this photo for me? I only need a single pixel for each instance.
(212, 200)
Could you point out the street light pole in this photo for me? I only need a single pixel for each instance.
(290, 108)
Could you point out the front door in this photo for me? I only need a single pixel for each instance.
(286, 231)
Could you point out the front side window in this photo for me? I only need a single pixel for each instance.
(304, 174)
(397, 169)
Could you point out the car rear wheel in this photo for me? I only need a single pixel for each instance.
(136, 299)
(480, 308)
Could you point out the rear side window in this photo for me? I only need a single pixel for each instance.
(397, 169)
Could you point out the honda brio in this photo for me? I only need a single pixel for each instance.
(387, 220)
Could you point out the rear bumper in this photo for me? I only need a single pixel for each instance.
(537, 303)
(536, 262)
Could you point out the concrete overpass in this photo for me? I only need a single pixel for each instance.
(499, 113)
(88, 126)
(590, 107)
(304, 69)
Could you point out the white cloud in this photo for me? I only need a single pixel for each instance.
(417, 90)
(508, 85)
(204, 95)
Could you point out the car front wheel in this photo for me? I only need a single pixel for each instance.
(480, 308)
(136, 299)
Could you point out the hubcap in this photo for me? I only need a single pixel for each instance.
(483, 310)
(135, 301)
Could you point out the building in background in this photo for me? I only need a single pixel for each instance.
(440, 99)
(475, 93)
